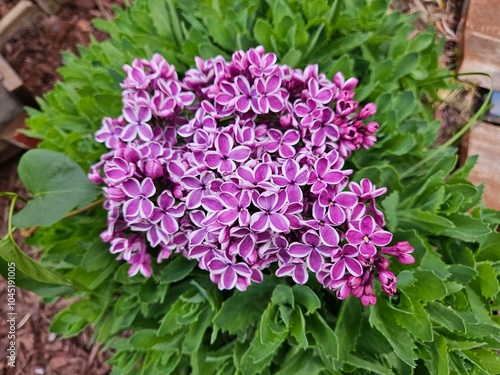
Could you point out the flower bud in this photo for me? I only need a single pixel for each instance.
(154, 168)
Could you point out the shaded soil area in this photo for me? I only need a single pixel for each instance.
(35, 54)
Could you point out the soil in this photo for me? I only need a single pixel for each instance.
(35, 54)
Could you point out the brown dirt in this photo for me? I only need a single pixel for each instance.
(34, 54)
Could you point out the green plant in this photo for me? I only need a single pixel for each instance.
(442, 318)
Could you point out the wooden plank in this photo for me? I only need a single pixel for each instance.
(483, 140)
(479, 42)
(8, 76)
(24, 14)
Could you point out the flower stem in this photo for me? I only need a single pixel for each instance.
(460, 133)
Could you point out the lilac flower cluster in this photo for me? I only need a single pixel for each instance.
(239, 166)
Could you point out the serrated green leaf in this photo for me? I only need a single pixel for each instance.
(348, 326)
(427, 287)
(488, 248)
(487, 279)
(466, 228)
(425, 221)
(283, 295)
(306, 297)
(380, 318)
(297, 328)
(445, 316)
(326, 339)
(438, 361)
(242, 310)
(372, 366)
(416, 320)
(390, 205)
(57, 185)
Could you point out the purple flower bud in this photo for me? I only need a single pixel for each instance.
(153, 169)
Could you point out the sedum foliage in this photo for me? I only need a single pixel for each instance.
(441, 321)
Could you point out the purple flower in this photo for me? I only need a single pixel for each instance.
(283, 143)
(320, 95)
(245, 162)
(311, 249)
(225, 155)
(366, 190)
(118, 170)
(401, 251)
(367, 236)
(229, 275)
(344, 259)
(292, 178)
(166, 213)
(137, 119)
(336, 204)
(109, 133)
(198, 188)
(297, 269)
(267, 97)
(321, 222)
(269, 217)
(141, 262)
(234, 209)
(322, 175)
(139, 206)
(261, 64)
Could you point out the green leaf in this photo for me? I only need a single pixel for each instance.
(34, 272)
(242, 310)
(176, 269)
(425, 221)
(445, 316)
(416, 320)
(488, 248)
(283, 295)
(298, 329)
(196, 331)
(405, 65)
(380, 318)
(306, 297)
(57, 185)
(487, 279)
(438, 361)
(466, 228)
(427, 287)
(325, 338)
(390, 205)
(348, 326)
(372, 366)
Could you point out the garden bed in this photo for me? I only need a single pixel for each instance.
(34, 54)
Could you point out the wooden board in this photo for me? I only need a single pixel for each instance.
(484, 140)
(479, 42)
(24, 14)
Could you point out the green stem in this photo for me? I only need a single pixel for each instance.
(29, 232)
(11, 213)
(462, 131)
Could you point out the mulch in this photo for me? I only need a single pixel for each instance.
(35, 54)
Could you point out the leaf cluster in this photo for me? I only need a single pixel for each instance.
(441, 320)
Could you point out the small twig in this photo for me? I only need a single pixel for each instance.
(29, 231)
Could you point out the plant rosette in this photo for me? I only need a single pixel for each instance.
(239, 166)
